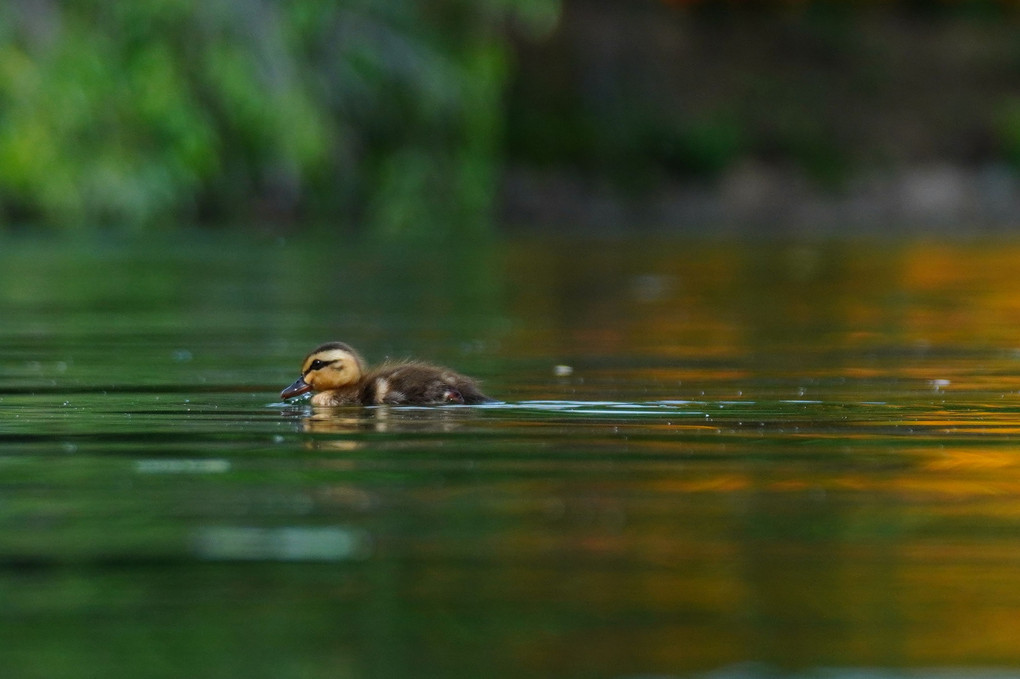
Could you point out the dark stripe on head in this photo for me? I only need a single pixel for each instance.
(338, 346)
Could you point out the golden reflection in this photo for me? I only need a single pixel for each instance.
(973, 460)
(340, 428)
(336, 425)
(905, 487)
(850, 309)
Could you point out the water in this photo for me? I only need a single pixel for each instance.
(710, 460)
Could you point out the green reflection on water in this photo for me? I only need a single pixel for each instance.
(802, 456)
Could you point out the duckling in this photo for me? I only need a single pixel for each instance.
(340, 376)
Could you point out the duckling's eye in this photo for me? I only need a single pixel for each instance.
(317, 364)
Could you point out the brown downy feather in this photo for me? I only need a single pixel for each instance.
(418, 383)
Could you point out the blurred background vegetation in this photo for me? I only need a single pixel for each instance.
(163, 111)
(443, 117)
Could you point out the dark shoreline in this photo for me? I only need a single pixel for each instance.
(937, 198)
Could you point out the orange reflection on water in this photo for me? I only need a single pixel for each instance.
(684, 300)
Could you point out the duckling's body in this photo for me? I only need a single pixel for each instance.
(339, 376)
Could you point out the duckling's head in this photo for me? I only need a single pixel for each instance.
(333, 365)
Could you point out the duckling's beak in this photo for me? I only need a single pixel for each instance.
(299, 387)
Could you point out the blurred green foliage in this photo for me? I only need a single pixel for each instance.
(1007, 131)
(164, 111)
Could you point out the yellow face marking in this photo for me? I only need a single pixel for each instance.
(331, 369)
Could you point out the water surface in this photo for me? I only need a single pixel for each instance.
(709, 459)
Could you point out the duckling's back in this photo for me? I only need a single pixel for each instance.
(416, 383)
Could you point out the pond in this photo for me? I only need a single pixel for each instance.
(708, 459)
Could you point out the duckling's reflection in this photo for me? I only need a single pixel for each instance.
(343, 422)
